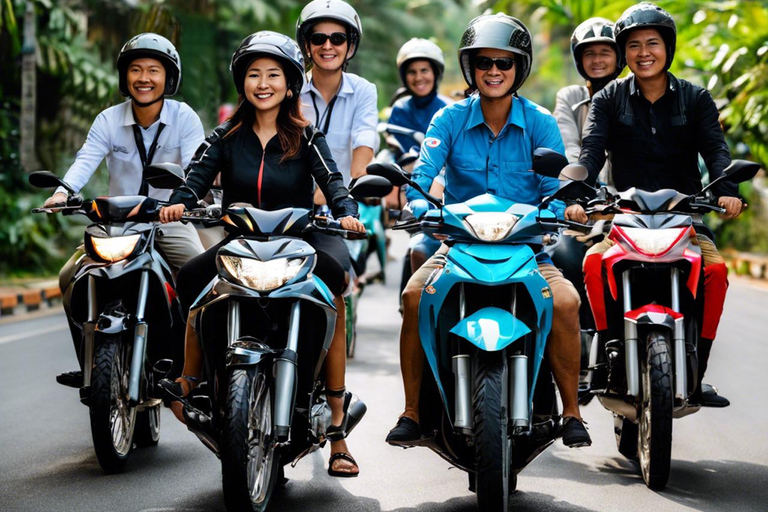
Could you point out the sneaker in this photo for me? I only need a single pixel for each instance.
(707, 396)
(71, 379)
(574, 433)
(404, 431)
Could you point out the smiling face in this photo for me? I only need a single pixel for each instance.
(420, 78)
(146, 80)
(599, 60)
(494, 83)
(327, 56)
(265, 85)
(646, 53)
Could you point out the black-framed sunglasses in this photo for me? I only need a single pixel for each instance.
(319, 39)
(485, 63)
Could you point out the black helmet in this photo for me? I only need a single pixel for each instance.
(501, 32)
(271, 44)
(591, 31)
(646, 15)
(329, 10)
(421, 49)
(155, 47)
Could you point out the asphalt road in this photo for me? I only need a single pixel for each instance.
(720, 457)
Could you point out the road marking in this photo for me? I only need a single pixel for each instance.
(30, 334)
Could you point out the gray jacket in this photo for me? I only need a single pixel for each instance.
(571, 109)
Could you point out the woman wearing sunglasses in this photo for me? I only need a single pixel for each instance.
(486, 145)
(264, 156)
(342, 105)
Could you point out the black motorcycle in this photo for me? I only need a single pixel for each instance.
(119, 288)
(265, 324)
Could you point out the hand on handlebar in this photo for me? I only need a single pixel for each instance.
(352, 224)
(171, 213)
(733, 206)
(576, 213)
(57, 199)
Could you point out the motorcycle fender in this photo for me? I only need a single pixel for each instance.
(241, 356)
(491, 329)
(653, 314)
(113, 324)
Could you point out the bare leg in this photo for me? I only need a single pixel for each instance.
(411, 353)
(335, 369)
(193, 363)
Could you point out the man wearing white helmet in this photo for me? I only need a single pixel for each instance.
(342, 105)
(421, 65)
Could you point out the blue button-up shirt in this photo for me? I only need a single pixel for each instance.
(476, 161)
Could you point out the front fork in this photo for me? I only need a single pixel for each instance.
(631, 341)
(140, 332)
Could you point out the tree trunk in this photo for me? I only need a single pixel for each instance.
(28, 154)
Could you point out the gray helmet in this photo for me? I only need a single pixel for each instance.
(329, 10)
(502, 32)
(421, 49)
(153, 46)
(593, 30)
(646, 15)
(271, 44)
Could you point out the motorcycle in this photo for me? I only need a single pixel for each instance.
(645, 366)
(265, 324)
(488, 403)
(120, 287)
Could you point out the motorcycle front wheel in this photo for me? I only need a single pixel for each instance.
(654, 438)
(113, 420)
(249, 459)
(493, 447)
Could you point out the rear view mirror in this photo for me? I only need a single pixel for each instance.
(370, 186)
(741, 170)
(547, 162)
(46, 179)
(392, 172)
(164, 175)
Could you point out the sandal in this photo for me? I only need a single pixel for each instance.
(342, 474)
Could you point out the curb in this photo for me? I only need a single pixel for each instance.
(24, 299)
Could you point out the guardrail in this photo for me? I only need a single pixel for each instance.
(747, 264)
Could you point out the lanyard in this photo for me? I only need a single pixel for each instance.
(146, 159)
(326, 114)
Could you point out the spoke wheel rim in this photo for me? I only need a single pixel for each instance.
(122, 417)
(261, 450)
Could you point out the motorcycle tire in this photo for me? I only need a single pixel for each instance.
(147, 427)
(249, 458)
(493, 448)
(654, 438)
(113, 421)
(350, 304)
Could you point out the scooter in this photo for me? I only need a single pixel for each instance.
(646, 363)
(123, 313)
(488, 404)
(265, 324)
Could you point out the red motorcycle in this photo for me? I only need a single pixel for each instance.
(645, 364)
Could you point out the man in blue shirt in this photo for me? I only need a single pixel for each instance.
(486, 144)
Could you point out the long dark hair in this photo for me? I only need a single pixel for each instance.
(290, 121)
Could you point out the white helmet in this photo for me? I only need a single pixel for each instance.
(418, 49)
(329, 10)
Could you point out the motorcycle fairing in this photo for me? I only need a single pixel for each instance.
(491, 329)
(654, 314)
(250, 220)
(513, 264)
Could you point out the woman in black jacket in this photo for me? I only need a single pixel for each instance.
(269, 156)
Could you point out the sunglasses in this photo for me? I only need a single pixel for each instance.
(486, 63)
(319, 39)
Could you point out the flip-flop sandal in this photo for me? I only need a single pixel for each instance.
(342, 474)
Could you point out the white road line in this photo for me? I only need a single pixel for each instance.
(30, 334)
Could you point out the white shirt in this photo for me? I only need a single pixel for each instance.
(111, 137)
(353, 118)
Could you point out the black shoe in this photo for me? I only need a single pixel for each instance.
(71, 379)
(707, 396)
(404, 431)
(574, 433)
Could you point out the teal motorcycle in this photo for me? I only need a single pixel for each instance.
(490, 405)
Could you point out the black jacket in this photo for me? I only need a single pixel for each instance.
(655, 146)
(250, 174)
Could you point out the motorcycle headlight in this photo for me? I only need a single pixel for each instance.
(491, 226)
(261, 275)
(115, 248)
(653, 242)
